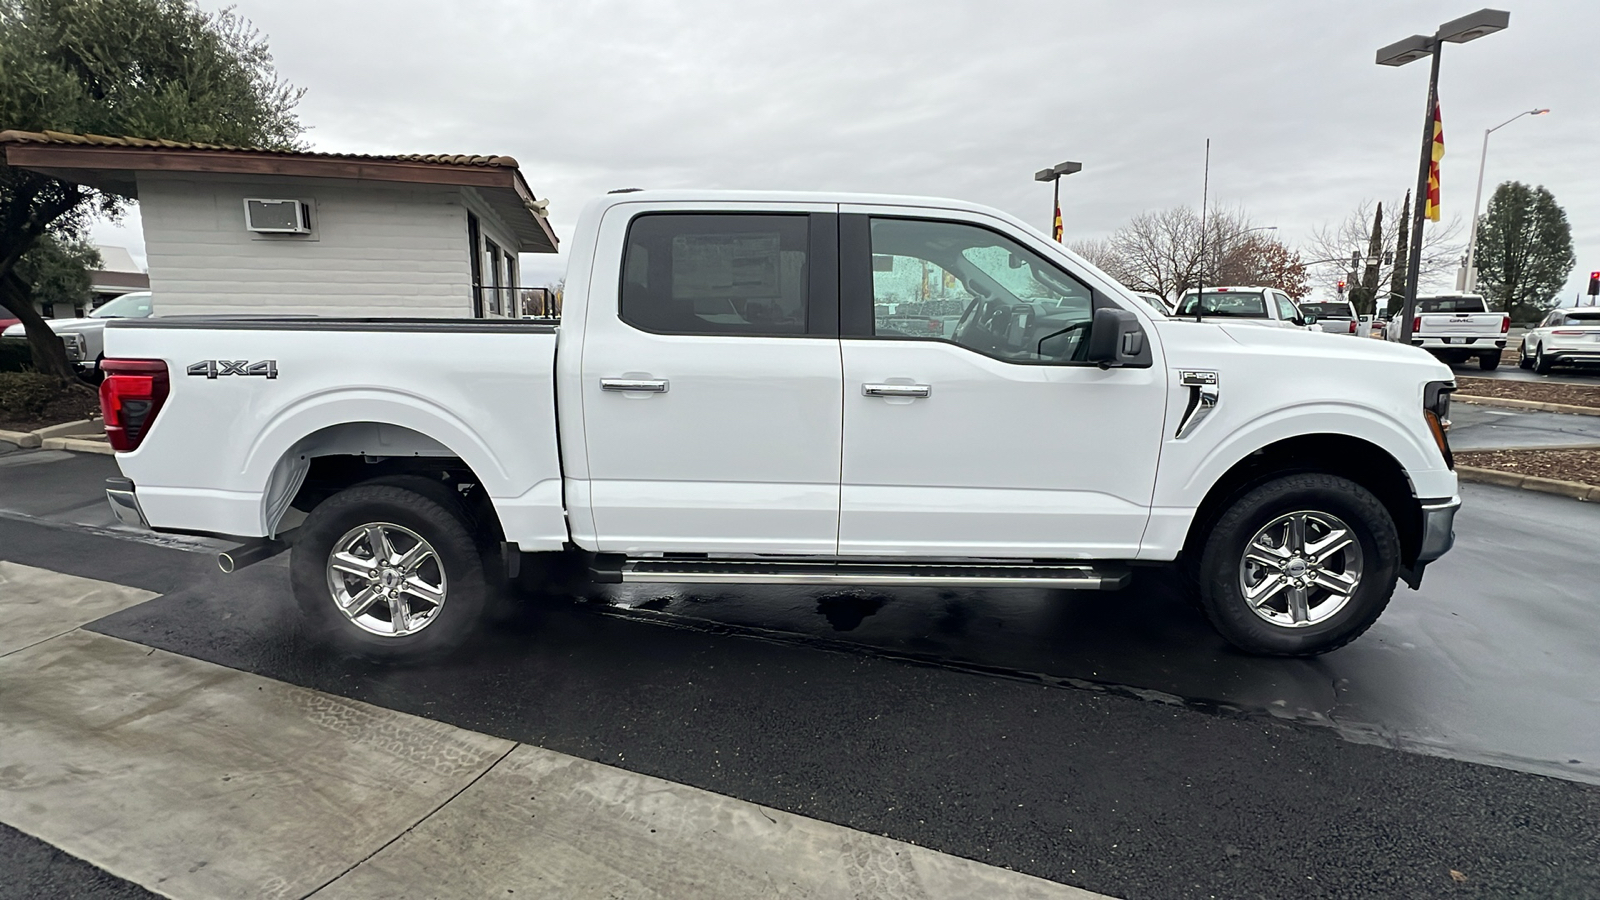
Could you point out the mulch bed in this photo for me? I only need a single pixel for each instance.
(79, 402)
(1564, 465)
(1571, 394)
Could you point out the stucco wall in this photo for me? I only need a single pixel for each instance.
(377, 249)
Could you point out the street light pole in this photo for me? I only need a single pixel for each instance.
(1460, 31)
(1053, 175)
(1468, 280)
(1419, 208)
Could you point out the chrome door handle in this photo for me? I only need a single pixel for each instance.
(646, 385)
(896, 390)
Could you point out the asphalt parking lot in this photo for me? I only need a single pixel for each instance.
(1108, 741)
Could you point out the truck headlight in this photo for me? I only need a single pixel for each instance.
(76, 344)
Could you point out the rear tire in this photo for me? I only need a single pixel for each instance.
(375, 552)
(1488, 362)
(1280, 621)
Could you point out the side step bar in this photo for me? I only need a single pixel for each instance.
(1076, 576)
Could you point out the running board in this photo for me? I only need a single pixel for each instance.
(1076, 576)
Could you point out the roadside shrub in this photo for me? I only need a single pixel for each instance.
(27, 394)
(15, 356)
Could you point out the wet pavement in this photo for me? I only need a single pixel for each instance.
(1108, 740)
(1493, 428)
(1510, 371)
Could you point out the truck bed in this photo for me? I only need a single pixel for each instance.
(253, 400)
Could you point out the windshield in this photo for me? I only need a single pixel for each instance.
(1231, 304)
(1328, 310)
(1450, 305)
(1153, 303)
(128, 306)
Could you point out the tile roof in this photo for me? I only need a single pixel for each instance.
(99, 140)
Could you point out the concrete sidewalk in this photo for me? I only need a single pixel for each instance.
(195, 780)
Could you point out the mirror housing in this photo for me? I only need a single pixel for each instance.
(1307, 319)
(1117, 339)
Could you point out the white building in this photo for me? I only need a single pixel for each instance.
(239, 230)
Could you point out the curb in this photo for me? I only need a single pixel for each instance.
(78, 445)
(1574, 489)
(26, 440)
(1508, 403)
(66, 436)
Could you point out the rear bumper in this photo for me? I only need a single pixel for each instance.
(124, 500)
(1462, 344)
(1586, 355)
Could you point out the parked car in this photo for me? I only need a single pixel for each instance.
(1333, 316)
(1456, 328)
(705, 415)
(1243, 305)
(1570, 335)
(84, 337)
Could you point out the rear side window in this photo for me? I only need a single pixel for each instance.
(699, 273)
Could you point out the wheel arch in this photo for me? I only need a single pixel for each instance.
(1357, 459)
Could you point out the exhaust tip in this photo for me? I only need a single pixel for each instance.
(225, 563)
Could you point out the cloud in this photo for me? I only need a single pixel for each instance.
(951, 98)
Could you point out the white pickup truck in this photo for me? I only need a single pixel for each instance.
(720, 403)
(1456, 327)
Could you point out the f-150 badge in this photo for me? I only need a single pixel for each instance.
(215, 368)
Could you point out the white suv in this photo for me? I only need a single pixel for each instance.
(1564, 336)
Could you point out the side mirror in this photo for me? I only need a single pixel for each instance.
(1307, 319)
(1117, 339)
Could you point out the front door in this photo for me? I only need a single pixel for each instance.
(973, 427)
(711, 382)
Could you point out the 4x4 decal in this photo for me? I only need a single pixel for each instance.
(213, 368)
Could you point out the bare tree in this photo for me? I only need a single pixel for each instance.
(1373, 232)
(1165, 252)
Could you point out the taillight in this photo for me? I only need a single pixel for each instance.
(1505, 324)
(130, 397)
(1352, 326)
(1567, 331)
(1416, 325)
(935, 326)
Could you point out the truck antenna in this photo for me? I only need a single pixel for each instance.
(1205, 195)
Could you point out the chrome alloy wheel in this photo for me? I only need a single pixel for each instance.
(1300, 569)
(386, 579)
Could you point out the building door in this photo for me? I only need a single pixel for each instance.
(474, 257)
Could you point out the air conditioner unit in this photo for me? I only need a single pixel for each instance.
(277, 216)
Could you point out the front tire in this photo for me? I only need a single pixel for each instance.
(1301, 565)
(384, 572)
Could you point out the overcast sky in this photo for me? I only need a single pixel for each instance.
(957, 99)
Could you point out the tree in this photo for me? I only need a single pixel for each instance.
(1365, 226)
(57, 269)
(1167, 252)
(145, 68)
(1524, 250)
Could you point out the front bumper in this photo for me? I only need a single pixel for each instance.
(120, 493)
(1438, 528)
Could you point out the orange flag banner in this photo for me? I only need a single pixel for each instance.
(1056, 230)
(1432, 208)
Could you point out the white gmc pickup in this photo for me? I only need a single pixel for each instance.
(725, 401)
(1455, 327)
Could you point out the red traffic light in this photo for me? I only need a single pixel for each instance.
(1594, 283)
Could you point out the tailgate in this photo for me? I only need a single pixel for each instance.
(1461, 324)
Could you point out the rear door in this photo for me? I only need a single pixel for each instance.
(711, 380)
(990, 437)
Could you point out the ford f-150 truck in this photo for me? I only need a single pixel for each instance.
(720, 403)
(1456, 327)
